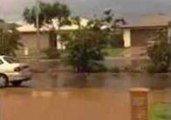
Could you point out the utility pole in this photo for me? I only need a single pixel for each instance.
(37, 25)
(169, 32)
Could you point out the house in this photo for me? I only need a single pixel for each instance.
(28, 36)
(139, 33)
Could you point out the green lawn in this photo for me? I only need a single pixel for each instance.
(160, 112)
(116, 52)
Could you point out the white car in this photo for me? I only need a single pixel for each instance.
(11, 71)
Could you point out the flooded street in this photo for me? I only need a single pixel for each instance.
(64, 104)
(52, 74)
(121, 82)
(68, 96)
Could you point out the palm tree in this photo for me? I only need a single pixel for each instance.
(47, 14)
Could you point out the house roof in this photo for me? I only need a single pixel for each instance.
(150, 22)
(30, 28)
(27, 28)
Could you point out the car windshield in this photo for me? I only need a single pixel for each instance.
(10, 60)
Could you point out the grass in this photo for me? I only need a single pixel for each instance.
(160, 112)
(115, 52)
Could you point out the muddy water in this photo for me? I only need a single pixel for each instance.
(67, 96)
(64, 104)
(103, 80)
(68, 104)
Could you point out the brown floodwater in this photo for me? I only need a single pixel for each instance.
(64, 104)
(69, 104)
(117, 82)
(68, 96)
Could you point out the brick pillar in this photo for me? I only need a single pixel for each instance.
(139, 103)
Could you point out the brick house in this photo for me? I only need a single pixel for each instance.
(28, 36)
(139, 33)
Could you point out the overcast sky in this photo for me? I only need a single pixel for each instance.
(12, 9)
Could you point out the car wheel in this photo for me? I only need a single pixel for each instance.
(3, 80)
(16, 83)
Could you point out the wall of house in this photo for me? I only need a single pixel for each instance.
(141, 37)
(29, 40)
(134, 37)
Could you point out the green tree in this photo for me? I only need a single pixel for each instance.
(9, 41)
(47, 13)
(159, 52)
(85, 47)
(111, 25)
(85, 50)
(77, 21)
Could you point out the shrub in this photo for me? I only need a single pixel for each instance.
(160, 68)
(115, 69)
(98, 67)
(85, 50)
(115, 41)
(85, 47)
(159, 53)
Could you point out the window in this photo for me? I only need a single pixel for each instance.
(1, 62)
(10, 60)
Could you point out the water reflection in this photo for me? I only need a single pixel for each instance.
(102, 80)
(43, 94)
